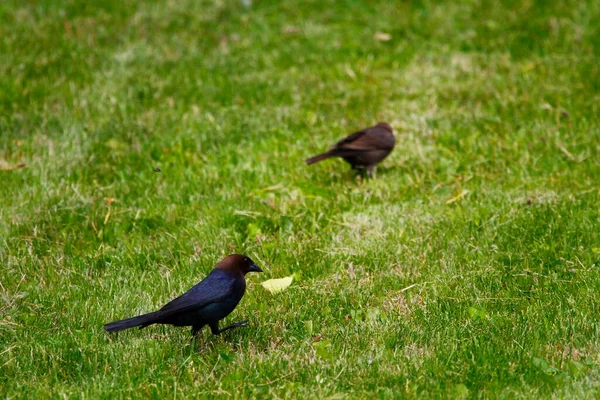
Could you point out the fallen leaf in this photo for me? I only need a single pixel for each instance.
(308, 325)
(384, 37)
(278, 285)
(477, 313)
(323, 349)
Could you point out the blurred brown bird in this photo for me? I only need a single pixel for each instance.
(207, 303)
(364, 149)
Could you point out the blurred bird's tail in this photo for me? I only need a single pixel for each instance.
(319, 157)
(141, 320)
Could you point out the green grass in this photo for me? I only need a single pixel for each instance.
(469, 268)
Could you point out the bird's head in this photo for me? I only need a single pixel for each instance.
(238, 263)
(385, 125)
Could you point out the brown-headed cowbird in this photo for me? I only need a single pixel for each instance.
(207, 303)
(364, 149)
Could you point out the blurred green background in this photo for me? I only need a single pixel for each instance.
(467, 269)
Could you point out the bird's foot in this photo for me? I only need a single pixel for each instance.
(234, 325)
(238, 324)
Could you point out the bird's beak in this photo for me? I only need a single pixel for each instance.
(255, 268)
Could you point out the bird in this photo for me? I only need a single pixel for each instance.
(364, 149)
(208, 302)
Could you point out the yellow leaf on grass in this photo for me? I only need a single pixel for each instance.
(277, 285)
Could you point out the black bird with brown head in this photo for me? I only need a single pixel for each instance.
(211, 300)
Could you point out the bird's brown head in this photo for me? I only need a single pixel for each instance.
(238, 264)
(385, 125)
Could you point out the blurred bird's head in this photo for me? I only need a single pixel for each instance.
(385, 125)
(238, 263)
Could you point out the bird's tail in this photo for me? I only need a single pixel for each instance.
(141, 320)
(319, 157)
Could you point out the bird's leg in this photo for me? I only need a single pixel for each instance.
(358, 171)
(370, 171)
(196, 329)
(214, 327)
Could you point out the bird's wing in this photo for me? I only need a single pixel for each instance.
(348, 140)
(373, 138)
(217, 286)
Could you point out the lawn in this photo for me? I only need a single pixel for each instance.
(468, 268)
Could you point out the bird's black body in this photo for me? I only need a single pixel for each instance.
(364, 149)
(208, 302)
